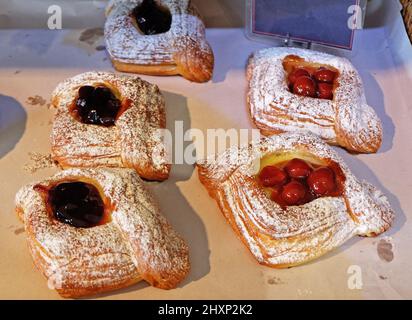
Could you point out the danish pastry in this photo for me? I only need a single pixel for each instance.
(291, 199)
(299, 90)
(95, 230)
(158, 37)
(104, 119)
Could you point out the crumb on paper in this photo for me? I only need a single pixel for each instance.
(39, 161)
(100, 48)
(384, 250)
(275, 280)
(36, 100)
(90, 36)
(383, 277)
(18, 231)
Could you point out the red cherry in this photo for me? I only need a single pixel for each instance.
(322, 181)
(324, 75)
(325, 91)
(297, 73)
(298, 169)
(272, 176)
(276, 193)
(305, 86)
(294, 193)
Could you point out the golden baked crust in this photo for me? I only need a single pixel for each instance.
(134, 142)
(287, 237)
(182, 50)
(346, 120)
(137, 244)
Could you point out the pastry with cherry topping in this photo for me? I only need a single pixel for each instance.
(152, 18)
(96, 105)
(96, 230)
(311, 82)
(299, 90)
(161, 38)
(110, 120)
(302, 202)
(78, 204)
(296, 181)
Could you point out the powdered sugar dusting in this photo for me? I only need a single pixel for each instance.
(39, 161)
(186, 37)
(284, 237)
(133, 142)
(346, 120)
(137, 243)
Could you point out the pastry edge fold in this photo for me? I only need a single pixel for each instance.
(284, 238)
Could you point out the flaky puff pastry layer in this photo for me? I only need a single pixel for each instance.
(135, 244)
(135, 141)
(287, 237)
(347, 120)
(183, 50)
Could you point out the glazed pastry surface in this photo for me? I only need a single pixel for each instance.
(135, 243)
(346, 120)
(287, 236)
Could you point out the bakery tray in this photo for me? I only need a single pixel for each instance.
(33, 62)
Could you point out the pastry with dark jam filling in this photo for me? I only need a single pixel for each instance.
(78, 204)
(152, 18)
(96, 105)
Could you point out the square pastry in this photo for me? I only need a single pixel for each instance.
(290, 198)
(110, 120)
(299, 90)
(158, 37)
(96, 230)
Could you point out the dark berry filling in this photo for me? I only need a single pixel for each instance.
(296, 182)
(96, 105)
(76, 203)
(152, 18)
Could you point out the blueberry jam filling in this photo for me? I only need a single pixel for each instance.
(77, 203)
(97, 105)
(152, 18)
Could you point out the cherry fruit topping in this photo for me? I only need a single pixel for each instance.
(305, 86)
(298, 169)
(325, 91)
(324, 75)
(272, 176)
(294, 193)
(322, 181)
(297, 73)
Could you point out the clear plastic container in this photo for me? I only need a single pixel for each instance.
(303, 22)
